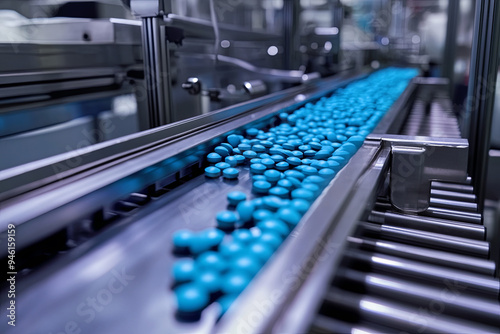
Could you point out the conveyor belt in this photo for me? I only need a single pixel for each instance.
(415, 273)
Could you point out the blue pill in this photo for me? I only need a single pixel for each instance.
(212, 172)
(245, 210)
(279, 191)
(299, 205)
(274, 225)
(288, 146)
(309, 153)
(231, 249)
(327, 173)
(308, 170)
(234, 140)
(261, 251)
(287, 153)
(298, 154)
(206, 240)
(282, 166)
(243, 236)
(249, 154)
(236, 197)
(276, 151)
(184, 270)
(269, 163)
(255, 161)
(272, 203)
(228, 147)
(264, 156)
(214, 157)
(232, 161)
(222, 165)
(244, 147)
(303, 194)
(322, 154)
(294, 161)
(182, 239)
(258, 203)
(289, 216)
(272, 175)
(277, 158)
(356, 140)
(222, 151)
(314, 188)
(234, 282)
(191, 297)
(246, 263)
(226, 219)
(304, 148)
(340, 152)
(315, 179)
(295, 174)
(315, 146)
(261, 187)
(210, 280)
(285, 183)
(271, 238)
(262, 214)
(240, 159)
(211, 260)
(257, 168)
(306, 161)
(258, 148)
(252, 132)
(258, 178)
(349, 147)
(236, 151)
(231, 173)
(296, 183)
(266, 143)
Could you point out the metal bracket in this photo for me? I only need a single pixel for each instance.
(416, 161)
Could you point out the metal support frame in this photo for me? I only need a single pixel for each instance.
(481, 92)
(291, 16)
(156, 73)
(451, 42)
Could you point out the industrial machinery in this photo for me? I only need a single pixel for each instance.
(399, 233)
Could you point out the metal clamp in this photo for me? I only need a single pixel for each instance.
(416, 161)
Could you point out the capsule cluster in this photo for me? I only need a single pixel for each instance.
(290, 165)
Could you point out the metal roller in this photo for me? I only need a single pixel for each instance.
(429, 239)
(413, 270)
(466, 230)
(398, 316)
(448, 259)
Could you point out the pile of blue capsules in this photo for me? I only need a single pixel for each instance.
(290, 165)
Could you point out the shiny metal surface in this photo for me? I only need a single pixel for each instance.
(449, 227)
(419, 160)
(429, 239)
(412, 270)
(461, 305)
(422, 254)
(395, 315)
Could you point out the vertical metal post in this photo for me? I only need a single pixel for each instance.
(451, 43)
(156, 70)
(481, 92)
(291, 18)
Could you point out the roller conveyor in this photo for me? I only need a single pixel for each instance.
(379, 266)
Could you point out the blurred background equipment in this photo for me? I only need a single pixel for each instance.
(108, 109)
